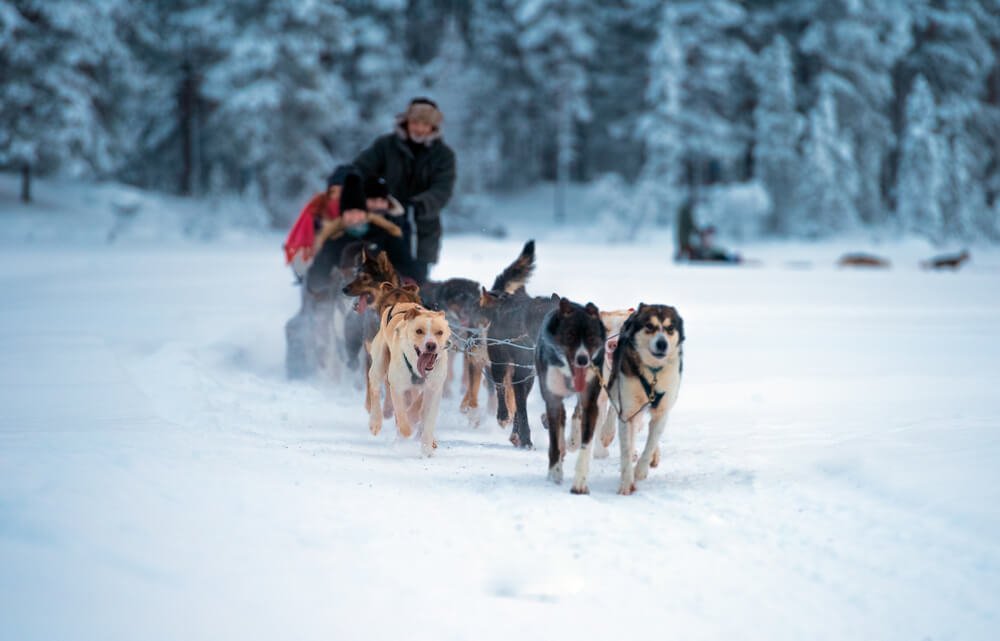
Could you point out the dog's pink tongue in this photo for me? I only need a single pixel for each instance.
(425, 362)
(362, 303)
(579, 378)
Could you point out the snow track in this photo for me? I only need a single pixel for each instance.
(830, 471)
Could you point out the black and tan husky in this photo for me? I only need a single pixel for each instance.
(514, 318)
(645, 378)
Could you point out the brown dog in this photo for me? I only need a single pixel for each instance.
(947, 261)
(409, 354)
(862, 260)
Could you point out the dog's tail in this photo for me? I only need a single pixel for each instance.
(517, 273)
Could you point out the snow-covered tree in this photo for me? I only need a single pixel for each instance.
(281, 106)
(851, 48)
(558, 49)
(829, 184)
(922, 166)
(59, 63)
(714, 121)
(659, 190)
(624, 35)
(778, 127)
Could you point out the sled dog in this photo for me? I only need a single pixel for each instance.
(409, 353)
(569, 355)
(645, 379)
(514, 320)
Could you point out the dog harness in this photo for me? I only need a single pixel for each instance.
(653, 397)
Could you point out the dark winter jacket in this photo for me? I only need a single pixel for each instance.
(424, 180)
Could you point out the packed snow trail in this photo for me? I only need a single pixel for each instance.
(829, 471)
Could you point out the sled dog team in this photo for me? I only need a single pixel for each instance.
(621, 366)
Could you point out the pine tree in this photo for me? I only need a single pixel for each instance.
(280, 104)
(829, 186)
(851, 48)
(558, 49)
(778, 128)
(58, 64)
(714, 122)
(659, 190)
(922, 166)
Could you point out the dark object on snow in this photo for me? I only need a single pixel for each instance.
(862, 260)
(697, 244)
(947, 261)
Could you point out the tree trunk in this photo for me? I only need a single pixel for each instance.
(26, 183)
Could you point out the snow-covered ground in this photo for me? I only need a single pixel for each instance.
(830, 472)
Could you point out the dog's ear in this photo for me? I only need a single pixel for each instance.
(412, 288)
(412, 313)
(565, 307)
(486, 299)
(385, 287)
(554, 297)
(628, 327)
(679, 324)
(592, 310)
(383, 262)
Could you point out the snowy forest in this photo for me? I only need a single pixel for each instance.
(822, 116)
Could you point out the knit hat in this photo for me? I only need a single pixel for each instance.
(375, 187)
(424, 110)
(352, 196)
(339, 174)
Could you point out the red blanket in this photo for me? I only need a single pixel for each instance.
(303, 233)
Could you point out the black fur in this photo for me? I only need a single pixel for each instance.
(563, 331)
(517, 273)
(456, 297)
(514, 320)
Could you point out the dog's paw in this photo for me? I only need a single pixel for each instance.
(626, 488)
(601, 452)
(655, 461)
(579, 489)
(607, 437)
(515, 439)
(556, 473)
(405, 429)
(375, 425)
(641, 471)
(426, 450)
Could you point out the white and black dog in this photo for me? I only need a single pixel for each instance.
(645, 376)
(569, 355)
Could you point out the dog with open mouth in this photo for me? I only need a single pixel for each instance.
(569, 355)
(645, 379)
(409, 354)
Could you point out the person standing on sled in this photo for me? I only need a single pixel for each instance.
(419, 170)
